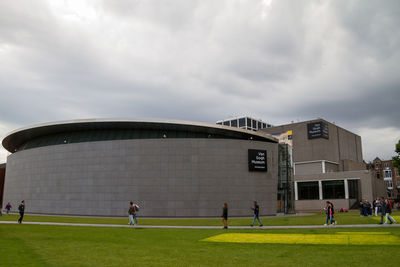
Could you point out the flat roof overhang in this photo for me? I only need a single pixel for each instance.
(18, 137)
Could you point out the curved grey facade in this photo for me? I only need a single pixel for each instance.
(167, 177)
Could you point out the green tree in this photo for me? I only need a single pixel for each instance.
(396, 159)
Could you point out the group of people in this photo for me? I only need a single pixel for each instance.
(21, 209)
(256, 211)
(133, 208)
(367, 208)
(380, 205)
(385, 208)
(330, 213)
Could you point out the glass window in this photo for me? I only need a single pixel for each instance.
(234, 123)
(398, 183)
(307, 190)
(353, 189)
(242, 122)
(387, 173)
(333, 189)
(389, 184)
(226, 123)
(248, 123)
(376, 166)
(264, 125)
(259, 125)
(253, 124)
(220, 123)
(378, 175)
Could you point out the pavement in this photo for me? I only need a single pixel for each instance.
(209, 227)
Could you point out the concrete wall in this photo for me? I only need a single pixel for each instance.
(341, 144)
(379, 188)
(350, 165)
(2, 177)
(308, 168)
(166, 177)
(330, 167)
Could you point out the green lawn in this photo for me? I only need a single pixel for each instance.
(352, 217)
(39, 245)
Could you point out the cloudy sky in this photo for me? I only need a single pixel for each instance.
(280, 61)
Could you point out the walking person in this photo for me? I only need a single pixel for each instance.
(388, 213)
(256, 210)
(8, 208)
(330, 213)
(132, 214)
(21, 209)
(225, 216)
(382, 207)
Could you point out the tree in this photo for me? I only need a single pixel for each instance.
(396, 159)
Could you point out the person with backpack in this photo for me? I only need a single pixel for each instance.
(21, 209)
(330, 213)
(132, 213)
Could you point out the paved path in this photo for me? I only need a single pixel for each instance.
(209, 227)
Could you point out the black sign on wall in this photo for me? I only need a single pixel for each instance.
(257, 160)
(318, 130)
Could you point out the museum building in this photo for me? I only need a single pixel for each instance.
(169, 168)
(327, 165)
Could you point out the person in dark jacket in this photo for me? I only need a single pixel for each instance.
(330, 213)
(132, 214)
(382, 208)
(21, 209)
(256, 210)
(8, 208)
(225, 216)
(369, 208)
(361, 208)
(388, 211)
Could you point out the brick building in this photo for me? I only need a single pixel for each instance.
(384, 170)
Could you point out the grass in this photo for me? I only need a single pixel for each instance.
(318, 218)
(39, 245)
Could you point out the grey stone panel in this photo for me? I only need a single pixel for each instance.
(166, 177)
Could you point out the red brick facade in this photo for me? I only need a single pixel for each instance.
(384, 170)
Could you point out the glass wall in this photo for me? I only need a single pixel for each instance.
(333, 189)
(353, 189)
(242, 122)
(285, 179)
(308, 190)
(119, 134)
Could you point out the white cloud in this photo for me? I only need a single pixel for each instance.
(379, 142)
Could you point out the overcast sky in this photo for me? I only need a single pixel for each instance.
(280, 61)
